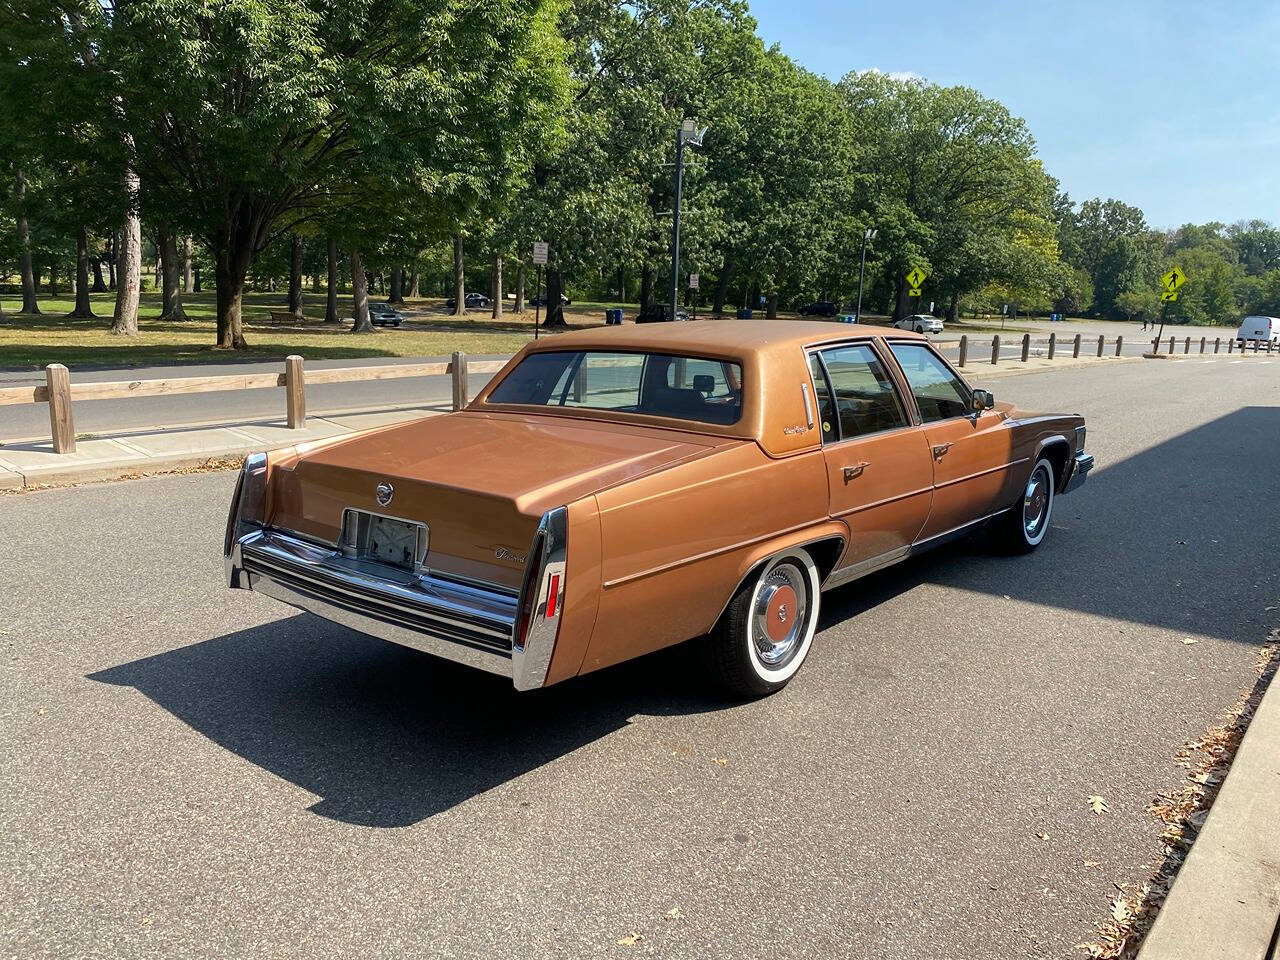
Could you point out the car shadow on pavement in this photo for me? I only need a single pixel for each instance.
(1183, 536)
(384, 735)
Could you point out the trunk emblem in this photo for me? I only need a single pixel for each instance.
(384, 493)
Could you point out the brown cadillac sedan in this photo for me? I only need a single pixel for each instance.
(619, 490)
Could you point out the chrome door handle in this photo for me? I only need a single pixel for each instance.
(852, 473)
(940, 450)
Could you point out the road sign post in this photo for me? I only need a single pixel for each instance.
(693, 285)
(1171, 281)
(539, 258)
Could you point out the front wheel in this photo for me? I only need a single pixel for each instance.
(1026, 524)
(763, 637)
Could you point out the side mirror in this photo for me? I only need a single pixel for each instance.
(983, 400)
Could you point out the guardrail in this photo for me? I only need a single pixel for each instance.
(1051, 346)
(59, 392)
(1217, 341)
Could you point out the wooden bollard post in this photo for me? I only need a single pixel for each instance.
(1186, 348)
(62, 426)
(1171, 344)
(1231, 345)
(295, 392)
(458, 367)
(1075, 348)
(1217, 342)
(1102, 342)
(1053, 342)
(1119, 344)
(1155, 345)
(964, 349)
(995, 349)
(1203, 341)
(1026, 347)
(1255, 346)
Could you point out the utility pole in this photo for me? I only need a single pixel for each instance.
(688, 133)
(867, 235)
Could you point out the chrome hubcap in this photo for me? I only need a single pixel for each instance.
(778, 617)
(1035, 502)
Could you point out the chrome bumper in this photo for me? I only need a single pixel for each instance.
(1080, 468)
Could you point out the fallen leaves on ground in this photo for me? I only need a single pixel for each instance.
(631, 939)
(1042, 835)
(1189, 640)
(1183, 813)
(1098, 804)
(675, 914)
(719, 761)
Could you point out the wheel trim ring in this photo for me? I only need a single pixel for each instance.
(782, 582)
(1035, 502)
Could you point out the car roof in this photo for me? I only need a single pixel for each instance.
(723, 337)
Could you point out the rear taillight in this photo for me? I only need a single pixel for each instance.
(529, 592)
(541, 606)
(553, 595)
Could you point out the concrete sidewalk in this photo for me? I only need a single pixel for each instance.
(32, 463)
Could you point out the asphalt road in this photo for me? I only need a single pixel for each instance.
(193, 772)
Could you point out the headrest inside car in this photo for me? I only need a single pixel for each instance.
(704, 382)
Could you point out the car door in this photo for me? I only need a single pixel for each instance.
(879, 472)
(973, 463)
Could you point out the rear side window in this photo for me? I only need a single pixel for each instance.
(939, 393)
(662, 385)
(860, 392)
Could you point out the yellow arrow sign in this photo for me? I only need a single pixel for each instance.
(916, 276)
(1169, 295)
(913, 292)
(1173, 279)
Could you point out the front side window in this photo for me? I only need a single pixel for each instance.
(861, 391)
(660, 385)
(939, 393)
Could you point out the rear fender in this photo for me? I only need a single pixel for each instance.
(826, 542)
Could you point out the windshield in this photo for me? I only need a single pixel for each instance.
(657, 384)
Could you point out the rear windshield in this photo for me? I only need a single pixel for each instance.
(657, 384)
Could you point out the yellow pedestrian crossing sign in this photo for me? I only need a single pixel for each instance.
(916, 276)
(1169, 295)
(1173, 279)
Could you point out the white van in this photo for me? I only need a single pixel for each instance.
(1259, 328)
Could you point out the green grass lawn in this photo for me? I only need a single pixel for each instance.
(28, 341)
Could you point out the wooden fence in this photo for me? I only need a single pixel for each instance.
(59, 392)
(1050, 346)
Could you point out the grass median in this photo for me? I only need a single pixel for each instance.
(32, 341)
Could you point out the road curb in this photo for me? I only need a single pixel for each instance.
(1225, 902)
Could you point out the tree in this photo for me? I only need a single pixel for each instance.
(253, 117)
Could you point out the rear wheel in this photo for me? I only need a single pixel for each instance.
(1026, 524)
(765, 633)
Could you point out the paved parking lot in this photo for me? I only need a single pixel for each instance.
(192, 772)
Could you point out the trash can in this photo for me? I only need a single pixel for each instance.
(744, 314)
(613, 316)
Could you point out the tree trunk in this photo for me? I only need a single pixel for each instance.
(555, 309)
(29, 304)
(459, 279)
(722, 288)
(124, 321)
(520, 288)
(53, 278)
(495, 285)
(98, 285)
(646, 287)
(771, 308)
(83, 307)
(901, 302)
(622, 284)
(169, 281)
(186, 265)
(331, 301)
(360, 293)
(231, 265)
(113, 252)
(195, 277)
(413, 283)
(953, 308)
(295, 275)
(160, 264)
(397, 285)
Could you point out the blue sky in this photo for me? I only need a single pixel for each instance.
(1174, 107)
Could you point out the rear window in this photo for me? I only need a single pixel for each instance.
(657, 384)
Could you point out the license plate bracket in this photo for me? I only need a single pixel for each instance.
(388, 540)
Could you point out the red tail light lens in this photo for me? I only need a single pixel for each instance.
(553, 595)
(529, 593)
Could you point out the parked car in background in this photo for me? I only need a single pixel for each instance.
(1266, 329)
(920, 323)
(820, 308)
(473, 301)
(541, 300)
(658, 313)
(617, 490)
(383, 314)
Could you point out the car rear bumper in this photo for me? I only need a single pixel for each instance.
(1080, 467)
(459, 620)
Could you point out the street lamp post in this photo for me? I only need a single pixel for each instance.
(690, 134)
(867, 235)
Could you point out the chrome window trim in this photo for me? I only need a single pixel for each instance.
(907, 410)
(968, 390)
